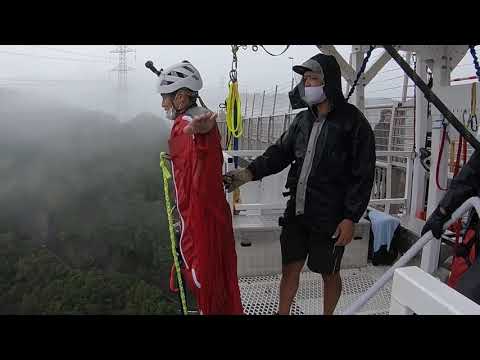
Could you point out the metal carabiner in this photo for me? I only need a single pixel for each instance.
(473, 122)
(445, 124)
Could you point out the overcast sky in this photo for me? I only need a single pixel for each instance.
(82, 75)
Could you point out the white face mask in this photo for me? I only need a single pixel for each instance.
(170, 113)
(315, 95)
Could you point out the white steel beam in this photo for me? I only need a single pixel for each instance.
(359, 93)
(376, 67)
(348, 72)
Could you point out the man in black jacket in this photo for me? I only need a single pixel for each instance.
(331, 150)
(465, 185)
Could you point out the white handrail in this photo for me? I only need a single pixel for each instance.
(415, 291)
(228, 156)
(249, 153)
(473, 202)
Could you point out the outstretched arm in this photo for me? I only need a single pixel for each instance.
(277, 156)
(201, 124)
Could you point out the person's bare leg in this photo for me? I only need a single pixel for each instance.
(289, 285)
(332, 288)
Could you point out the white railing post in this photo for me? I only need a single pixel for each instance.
(275, 100)
(253, 103)
(263, 102)
(389, 158)
(408, 185)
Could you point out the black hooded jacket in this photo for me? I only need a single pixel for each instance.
(342, 175)
(463, 186)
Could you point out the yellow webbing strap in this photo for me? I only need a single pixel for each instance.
(167, 176)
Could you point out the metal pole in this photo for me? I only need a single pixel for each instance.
(263, 101)
(419, 178)
(289, 103)
(275, 100)
(291, 86)
(405, 80)
(246, 103)
(389, 159)
(431, 252)
(253, 103)
(432, 97)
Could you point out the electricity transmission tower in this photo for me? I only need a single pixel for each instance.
(122, 68)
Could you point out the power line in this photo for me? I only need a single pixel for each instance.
(50, 57)
(70, 52)
(51, 80)
(462, 65)
(391, 88)
(383, 80)
(390, 70)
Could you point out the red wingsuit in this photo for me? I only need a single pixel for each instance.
(206, 243)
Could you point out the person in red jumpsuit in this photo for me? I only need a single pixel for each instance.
(207, 246)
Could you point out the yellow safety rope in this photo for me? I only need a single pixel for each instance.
(234, 112)
(166, 176)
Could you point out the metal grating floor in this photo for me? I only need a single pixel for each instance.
(260, 293)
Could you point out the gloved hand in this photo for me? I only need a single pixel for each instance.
(236, 178)
(435, 222)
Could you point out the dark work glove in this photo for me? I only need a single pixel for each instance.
(236, 178)
(435, 223)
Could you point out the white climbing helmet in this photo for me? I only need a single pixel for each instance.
(178, 76)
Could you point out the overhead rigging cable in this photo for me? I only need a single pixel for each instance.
(269, 53)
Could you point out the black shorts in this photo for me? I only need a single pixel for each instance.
(300, 240)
